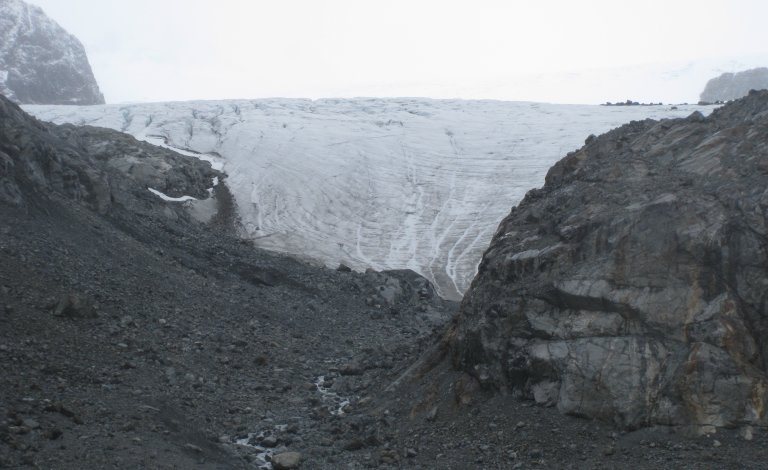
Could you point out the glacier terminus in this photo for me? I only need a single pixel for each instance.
(372, 183)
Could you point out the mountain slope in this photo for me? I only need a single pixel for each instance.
(40, 62)
(382, 183)
(132, 335)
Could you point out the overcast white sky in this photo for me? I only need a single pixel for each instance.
(162, 50)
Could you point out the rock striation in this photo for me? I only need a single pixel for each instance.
(632, 286)
(732, 86)
(40, 62)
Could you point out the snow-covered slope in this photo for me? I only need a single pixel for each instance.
(381, 183)
(39, 61)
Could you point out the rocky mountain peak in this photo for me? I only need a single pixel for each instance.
(40, 62)
(631, 287)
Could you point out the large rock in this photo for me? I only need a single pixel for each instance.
(40, 63)
(286, 461)
(732, 86)
(632, 286)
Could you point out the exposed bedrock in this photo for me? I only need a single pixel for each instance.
(98, 168)
(632, 286)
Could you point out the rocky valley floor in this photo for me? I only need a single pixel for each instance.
(132, 336)
(201, 352)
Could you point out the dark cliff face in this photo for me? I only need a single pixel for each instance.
(732, 86)
(632, 286)
(40, 63)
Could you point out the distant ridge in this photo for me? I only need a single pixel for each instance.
(732, 86)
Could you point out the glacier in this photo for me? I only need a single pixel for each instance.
(371, 182)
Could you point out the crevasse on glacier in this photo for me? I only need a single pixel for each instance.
(381, 183)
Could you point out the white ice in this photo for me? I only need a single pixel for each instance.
(381, 183)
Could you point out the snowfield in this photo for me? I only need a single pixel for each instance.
(372, 183)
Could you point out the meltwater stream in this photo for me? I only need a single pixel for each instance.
(265, 441)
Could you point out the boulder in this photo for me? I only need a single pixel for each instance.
(73, 306)
(286, 461)
(632, 286)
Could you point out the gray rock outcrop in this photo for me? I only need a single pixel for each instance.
(95, 167)
(632, 286)
(732, 86)
(41, 63)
